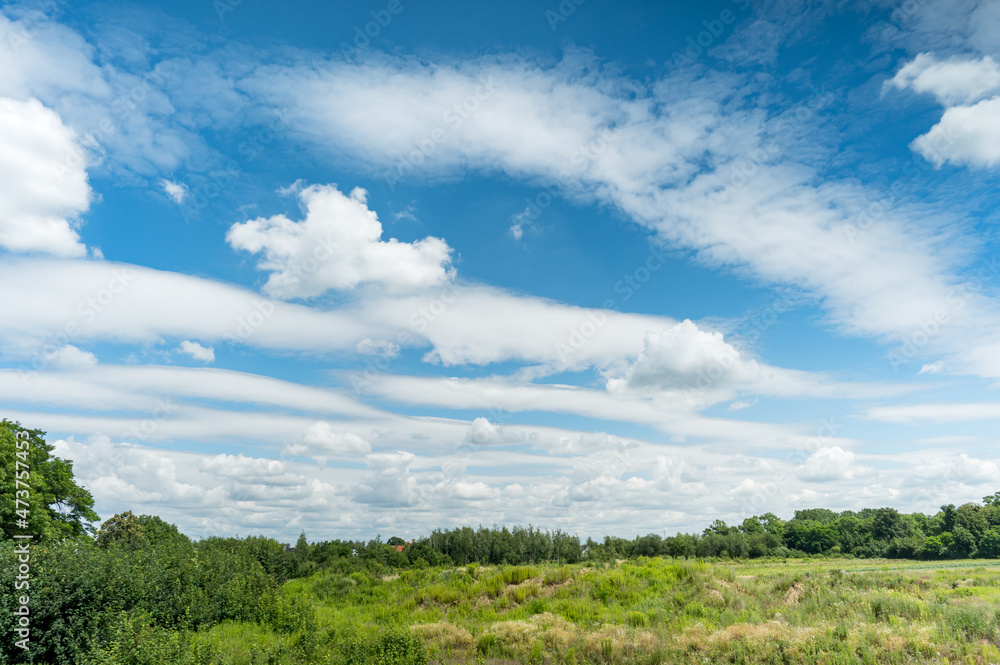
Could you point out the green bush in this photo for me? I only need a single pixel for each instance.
(135, 640)
(393, 647)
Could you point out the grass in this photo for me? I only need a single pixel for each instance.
(645, 612)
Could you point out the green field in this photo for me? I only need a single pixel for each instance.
(643, 611)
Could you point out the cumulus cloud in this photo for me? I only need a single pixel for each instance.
(951, 81)
(243, 466)
(969, 130)
(338, 245)
(43, 181)
(687, 357)
(70, 357)
(177, 191)
(205, 495)
(322, 442)
(388, 481)
(482, 431)
(833, 463)
(965, 135)
(197, 351)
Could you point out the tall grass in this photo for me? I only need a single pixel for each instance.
(641, 612)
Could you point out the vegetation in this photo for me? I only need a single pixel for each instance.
(59, 507)
(811, 589)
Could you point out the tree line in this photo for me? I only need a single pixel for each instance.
(968, 531)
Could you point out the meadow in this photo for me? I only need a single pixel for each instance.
(646, 611)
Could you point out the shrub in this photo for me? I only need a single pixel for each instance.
(135, 640)
(393, 647)
(557, 575)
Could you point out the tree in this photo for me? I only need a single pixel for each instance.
(964, 544)
(973, 518)
(887, 525)
(57, 507)
(751, 525)
(718, 527)
(948, 516)
(302, 546)
(934, 548)
(811, 536)
(123, 530)
(989, 547)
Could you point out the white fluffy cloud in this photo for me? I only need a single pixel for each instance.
(686, 357)
(320, 441)
(965, 135)
(206, 354)
(43, 181)
(969, 130)
(833, 463)
(388, 482)
(242, 466)
(955, 81)
(338, 246)
(178, 192)
(70, 357)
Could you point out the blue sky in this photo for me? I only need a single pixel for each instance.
(358, 268)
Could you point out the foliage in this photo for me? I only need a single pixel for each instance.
(58, 507)
(392, 647)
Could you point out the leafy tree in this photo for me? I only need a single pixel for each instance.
(718, 527)
(989, 546)
(123, 530)
(811, 536)
(887, 524)
(751, 525)
(972, 517)
(772, 524)
(964, 544)
(948, 517)
(57, 506)
(161, 534)
(934, 548)
(650, 545)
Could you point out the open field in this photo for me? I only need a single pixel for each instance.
(644, 611)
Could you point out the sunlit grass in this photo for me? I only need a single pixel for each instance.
(649, 611)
